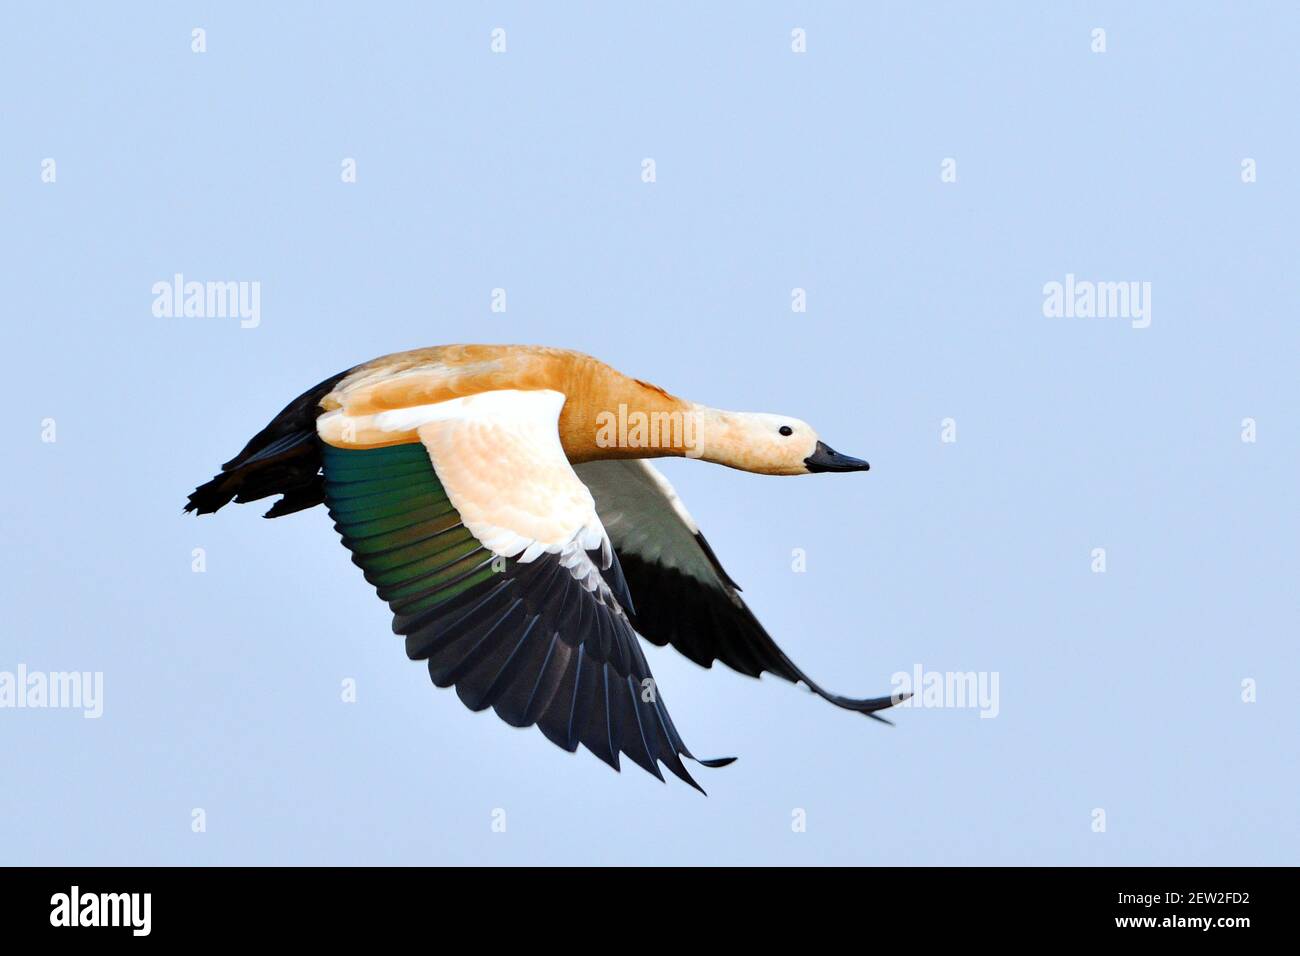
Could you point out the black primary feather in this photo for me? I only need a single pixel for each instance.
(282, 459)
(528, 640)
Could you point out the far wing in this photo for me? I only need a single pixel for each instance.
(682, 595)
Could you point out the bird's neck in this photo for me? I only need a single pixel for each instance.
(610, 415)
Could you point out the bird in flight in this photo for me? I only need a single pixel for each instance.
(500, 499)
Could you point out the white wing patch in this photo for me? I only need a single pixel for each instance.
(499, 457)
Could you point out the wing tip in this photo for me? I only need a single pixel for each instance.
(715, 761)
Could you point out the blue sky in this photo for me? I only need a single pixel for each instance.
(1119, 691)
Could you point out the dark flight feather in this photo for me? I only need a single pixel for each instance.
(683, 596)
(527, 640)
(282, 459)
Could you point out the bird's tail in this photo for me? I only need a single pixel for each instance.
(284, 458)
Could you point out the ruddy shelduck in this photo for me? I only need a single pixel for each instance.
(500, 499)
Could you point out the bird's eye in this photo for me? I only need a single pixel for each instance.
(786, 430)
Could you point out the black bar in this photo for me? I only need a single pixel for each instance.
(335, 904)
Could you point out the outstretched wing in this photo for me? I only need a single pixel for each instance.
(488, 550)
(682, 595)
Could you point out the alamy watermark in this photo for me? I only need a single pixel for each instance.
(208, 300)
(63, 690)
(638, 429)
(947, 689)
(130, 910)
(1084, 299)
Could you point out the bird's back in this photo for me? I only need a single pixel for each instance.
(443, 372)
(284, 457)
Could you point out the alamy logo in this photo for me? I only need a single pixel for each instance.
(1084, 299)
(64, 690)
(75, 908)
(208, 300)
(947, 689)
(639, 429)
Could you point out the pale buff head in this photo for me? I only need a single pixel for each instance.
(765, 444)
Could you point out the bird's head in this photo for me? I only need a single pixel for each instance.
(767, 444)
